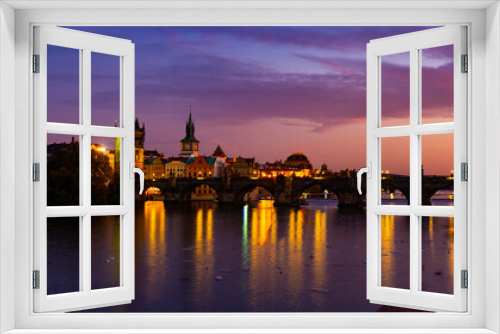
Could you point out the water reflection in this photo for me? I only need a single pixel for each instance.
(395, 236)
(209, 258)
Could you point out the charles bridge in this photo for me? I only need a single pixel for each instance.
(287, 191)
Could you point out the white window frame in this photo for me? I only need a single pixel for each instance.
(483, 21)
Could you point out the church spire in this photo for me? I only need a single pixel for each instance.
(189, 144)
(190, 130)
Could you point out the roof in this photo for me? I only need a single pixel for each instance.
(219, 152)
(179, 159)
(209, 160)
(152, 153)
(297, 157)
(152, 160)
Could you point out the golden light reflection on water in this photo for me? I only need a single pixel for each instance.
(437, 244)
(271, 259)
(320, 257)
(295, 256)
(263, 254)
(387, 243)
(395, 257)
(438, 255)
(203, 256)
(154, 228)
(451, 249)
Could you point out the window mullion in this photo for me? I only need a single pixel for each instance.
(85, 179)
(415, 169)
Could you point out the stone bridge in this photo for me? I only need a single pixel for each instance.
(430, 185)
(287, 191)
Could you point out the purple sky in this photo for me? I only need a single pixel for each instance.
(259, 92)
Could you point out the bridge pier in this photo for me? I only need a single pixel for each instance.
(351, 200)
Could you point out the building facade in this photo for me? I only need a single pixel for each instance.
(242, 167)
(154, 168)
(200, 167)
(175, 167)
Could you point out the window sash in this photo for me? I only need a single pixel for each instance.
(86, 297)
(413, 43)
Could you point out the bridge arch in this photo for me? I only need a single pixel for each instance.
(402, 185)
(153, 191)
(429, 192)
(240, 194)
(300, 189)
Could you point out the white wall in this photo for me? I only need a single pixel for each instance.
(492, 149)
(257, 17)
(7, 169)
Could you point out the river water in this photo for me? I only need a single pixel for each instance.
(209, 258)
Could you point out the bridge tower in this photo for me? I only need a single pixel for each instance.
(189, 145)
(140, 134)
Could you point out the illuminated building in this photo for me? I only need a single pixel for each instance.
(154, 165)
(242, 167)
(323, 172)
(176, 167)
(200, 167)
(300, 164)
(189, 144)
(274, 169)
(140, 135)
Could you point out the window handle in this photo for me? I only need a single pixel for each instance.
(134, 170)
(361, 171)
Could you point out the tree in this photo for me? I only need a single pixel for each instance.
(63, 186)
(102, 176)
(63, 178)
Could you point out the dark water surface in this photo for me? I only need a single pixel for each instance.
(210, 258)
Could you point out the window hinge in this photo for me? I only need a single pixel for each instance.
(464, 171)
(465, 64)
(36, 172)
(36, 63)
(36, 279)
(465, 279)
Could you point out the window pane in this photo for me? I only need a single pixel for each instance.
(63, 85)
(395, 251)
(437, 254)
(105, 252)
(437, 84)
(63, 255)
(437, 169)
(395, 91)
(105, 89)
(63, 170)
(395, 170)
(105, 171)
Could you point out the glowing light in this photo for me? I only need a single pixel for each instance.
(102, 149)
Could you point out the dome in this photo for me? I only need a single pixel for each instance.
(297, 157)
(298, 161)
